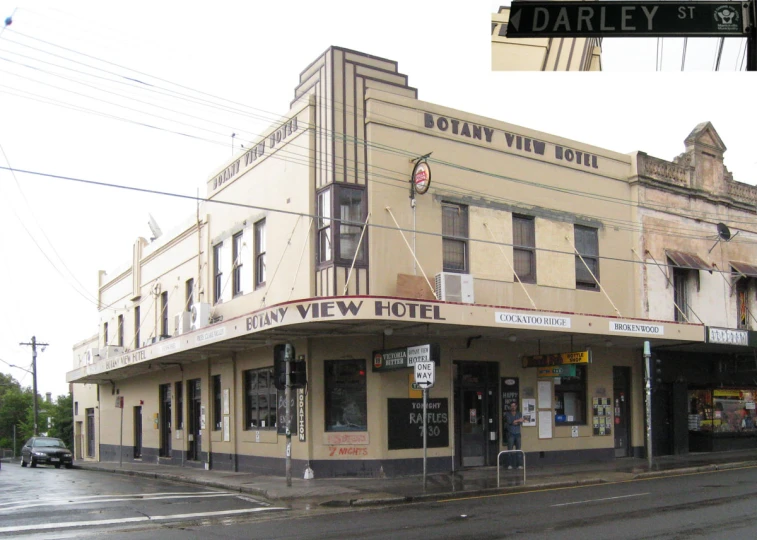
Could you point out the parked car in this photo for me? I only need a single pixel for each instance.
(46, 450)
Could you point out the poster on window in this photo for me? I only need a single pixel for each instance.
(281, 409)
(406, 423)
(528, 410)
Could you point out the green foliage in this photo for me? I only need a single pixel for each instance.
(62, 415)
(16, 408)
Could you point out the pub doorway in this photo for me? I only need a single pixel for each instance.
(622, 411)
(476, 413)
(194, 394)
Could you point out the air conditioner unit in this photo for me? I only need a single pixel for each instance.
(91, 356)
(199, 316)
(451, 287)
(150, 341)
(111, 350)
(182, 322)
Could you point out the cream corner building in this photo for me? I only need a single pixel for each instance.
(524, 252)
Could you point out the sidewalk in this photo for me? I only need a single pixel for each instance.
(467, 482)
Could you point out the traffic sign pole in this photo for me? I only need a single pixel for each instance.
(425, 400)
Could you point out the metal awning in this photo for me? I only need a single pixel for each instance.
(687, 260)
(744, 269)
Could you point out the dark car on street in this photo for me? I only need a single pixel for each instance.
(46, 450)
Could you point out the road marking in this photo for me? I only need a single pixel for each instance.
(598, 500)
(598, 483)
(67, 501)
(102, 522)
(133, 495)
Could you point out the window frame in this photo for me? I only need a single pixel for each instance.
(272, 396)
(259, 233)
(332, 389)
(520, 247)
(189, 286)
(742, 303)
(448, 237)
(324, 221)
(121, 330)
(236, 265)
(336, 239)
(680, 280)
(217, 273)
(571, 387)
(585, 285)
(164, 313)
(137, 325)
(217, 400)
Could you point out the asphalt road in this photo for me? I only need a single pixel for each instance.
(718, 505)
(45, 502)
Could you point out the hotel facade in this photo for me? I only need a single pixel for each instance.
(370, 230)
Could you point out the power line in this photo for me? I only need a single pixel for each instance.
(315, 216)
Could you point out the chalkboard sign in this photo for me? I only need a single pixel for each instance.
(406, 423)
(510, 392)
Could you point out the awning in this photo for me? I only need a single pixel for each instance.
(744, 269)
(687, 260)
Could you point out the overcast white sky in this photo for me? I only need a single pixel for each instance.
(251, 53)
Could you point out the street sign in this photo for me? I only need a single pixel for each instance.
(424, 374)
(626, 19)
(119, 402)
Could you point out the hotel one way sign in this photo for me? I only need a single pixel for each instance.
(626, 19)
(424, 374)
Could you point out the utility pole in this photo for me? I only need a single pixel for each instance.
(33, 345)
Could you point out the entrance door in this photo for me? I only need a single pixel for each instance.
(621, 391)
(138, 432)
(165, 420)
(90, 433)
(476, 413)
(662, 414)
(194, 410)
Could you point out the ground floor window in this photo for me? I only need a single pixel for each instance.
(722, 410)
(570, 397)
(346, 403)
(260, 399)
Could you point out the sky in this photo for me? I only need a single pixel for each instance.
(100, 91)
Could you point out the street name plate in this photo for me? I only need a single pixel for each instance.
(626, 19)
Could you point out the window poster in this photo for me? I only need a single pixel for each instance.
(528, 409)
(545, 395)
(545, 424)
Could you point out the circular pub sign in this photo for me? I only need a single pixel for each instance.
(421, 177)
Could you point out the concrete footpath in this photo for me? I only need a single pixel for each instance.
(467, 482)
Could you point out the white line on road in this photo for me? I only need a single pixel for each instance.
(102, 522)
(133, 495)
(598, 500)
(24, 506)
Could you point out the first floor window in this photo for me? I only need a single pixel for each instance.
(217, 273)
(324, 226)
(587, 246)
(570, 399)
(351, 208)
(120, 330)
(454, 238)
(524, 248)
(164, 313)
(260, 399)
(189, 294)
(105, 334)
(137, 323)
(680, 294)
(742, 299)
(260, 249)
(346, 396)
(236, 255)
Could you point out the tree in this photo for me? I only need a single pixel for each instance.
(62, 415)
(16, 405)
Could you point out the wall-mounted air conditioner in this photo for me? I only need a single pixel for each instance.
(150, 341)
(451, 287)
(91, 356)
(111, 350)
(199, 316)
(182, 322)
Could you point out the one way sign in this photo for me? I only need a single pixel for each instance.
(424, 374)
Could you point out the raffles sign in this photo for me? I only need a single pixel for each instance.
(406, 423)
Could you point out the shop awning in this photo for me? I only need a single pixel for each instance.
(744, 269)
(687, 260)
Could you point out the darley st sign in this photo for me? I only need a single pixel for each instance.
(627, 19)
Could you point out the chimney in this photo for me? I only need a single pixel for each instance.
(48, 396)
